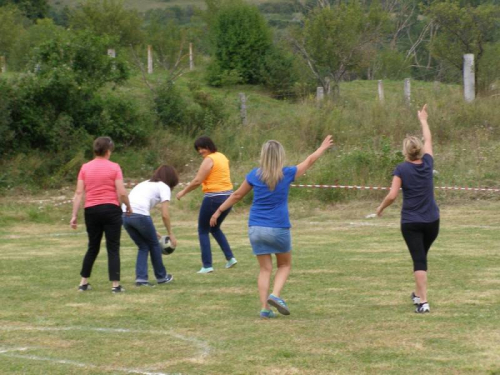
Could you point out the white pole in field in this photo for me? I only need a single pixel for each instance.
(469, 78)
(150, 59)
(320, 94)
(191, 60)
(111, 53)
(3, 64)
(243, 108)
(407, 90)
(380, 91)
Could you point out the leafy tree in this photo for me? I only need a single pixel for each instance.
(108, 18)
(33, 9)
(338, 39)
(241, 39)
(36, 35)
(463, 30)
(12, 26)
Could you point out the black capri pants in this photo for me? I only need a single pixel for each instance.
(419, 238)
(103, 219)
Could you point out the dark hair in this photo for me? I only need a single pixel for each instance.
(206, 143)
(102, 145)
(166, 174)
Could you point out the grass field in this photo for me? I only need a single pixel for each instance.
(348, 293)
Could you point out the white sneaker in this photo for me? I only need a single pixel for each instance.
(415, 298)
(423, 308)
(206, 270)
(231, 262)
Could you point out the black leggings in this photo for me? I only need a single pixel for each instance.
(419, 238)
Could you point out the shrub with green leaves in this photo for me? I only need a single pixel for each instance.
(241, 39)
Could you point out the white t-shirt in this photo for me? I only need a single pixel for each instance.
(146, 195)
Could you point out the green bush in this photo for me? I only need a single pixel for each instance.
(391, 64)
(241, 41)
(278, 73)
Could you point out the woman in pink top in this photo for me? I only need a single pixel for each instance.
(102, 182)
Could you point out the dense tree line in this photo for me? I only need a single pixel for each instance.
(67, 88)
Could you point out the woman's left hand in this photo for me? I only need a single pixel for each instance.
(213, 219)
(379, 211)
(179, 195)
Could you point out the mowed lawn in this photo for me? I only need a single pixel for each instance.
(348, 293)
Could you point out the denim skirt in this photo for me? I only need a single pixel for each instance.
(265, 240)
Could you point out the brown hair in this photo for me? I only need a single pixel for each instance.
(206, 143)
(412, 148)
(166, 174)
(102, 145)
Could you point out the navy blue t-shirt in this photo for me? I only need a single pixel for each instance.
(270, 208)
(419, 205)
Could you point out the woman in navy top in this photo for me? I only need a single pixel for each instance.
(269, 223)
(420, 213)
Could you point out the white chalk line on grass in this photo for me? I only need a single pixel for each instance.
(204, 348)
(79, 364)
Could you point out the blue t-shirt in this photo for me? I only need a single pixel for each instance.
(270, 208)
(419, 205)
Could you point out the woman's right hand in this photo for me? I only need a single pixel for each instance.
(73, 222)
(327, 143)
(422, 114)
(179, 195)
(173, 240)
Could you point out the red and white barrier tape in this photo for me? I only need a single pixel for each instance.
(347, 187)
(357, 187)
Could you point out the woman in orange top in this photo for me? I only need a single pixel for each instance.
(215, 179)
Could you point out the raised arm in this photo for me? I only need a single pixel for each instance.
(205, 168)
(426, 132)
(80, 189)
(234, 198)
(311, 159)
(391, 197)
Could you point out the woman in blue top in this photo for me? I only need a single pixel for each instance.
(420, 213)
(269, 223)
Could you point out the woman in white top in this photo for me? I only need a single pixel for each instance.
(140, 227)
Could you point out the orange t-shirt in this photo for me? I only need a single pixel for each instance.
(219, 178)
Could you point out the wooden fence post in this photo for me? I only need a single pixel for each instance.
(243, 108)
(191, 60)
(469, 78)
(381, 91)
(407, 90)
(3, 65)
(150, 59)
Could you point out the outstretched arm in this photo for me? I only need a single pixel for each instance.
(238, 195)
(391, 197)
(203, 172)
(311, 159)
(426, 132)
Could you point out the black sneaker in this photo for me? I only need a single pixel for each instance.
(84, 288)
(144, 283)
(423, 308)
(168, 279)
(117, 289)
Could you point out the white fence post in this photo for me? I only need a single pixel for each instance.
(320, 94)
(111, 53)
(150, 59)
(469, 78)
(381, 91)
(407, 90)
(243, 108)
(191, 60)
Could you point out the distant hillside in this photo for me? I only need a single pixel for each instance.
(144, 5)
